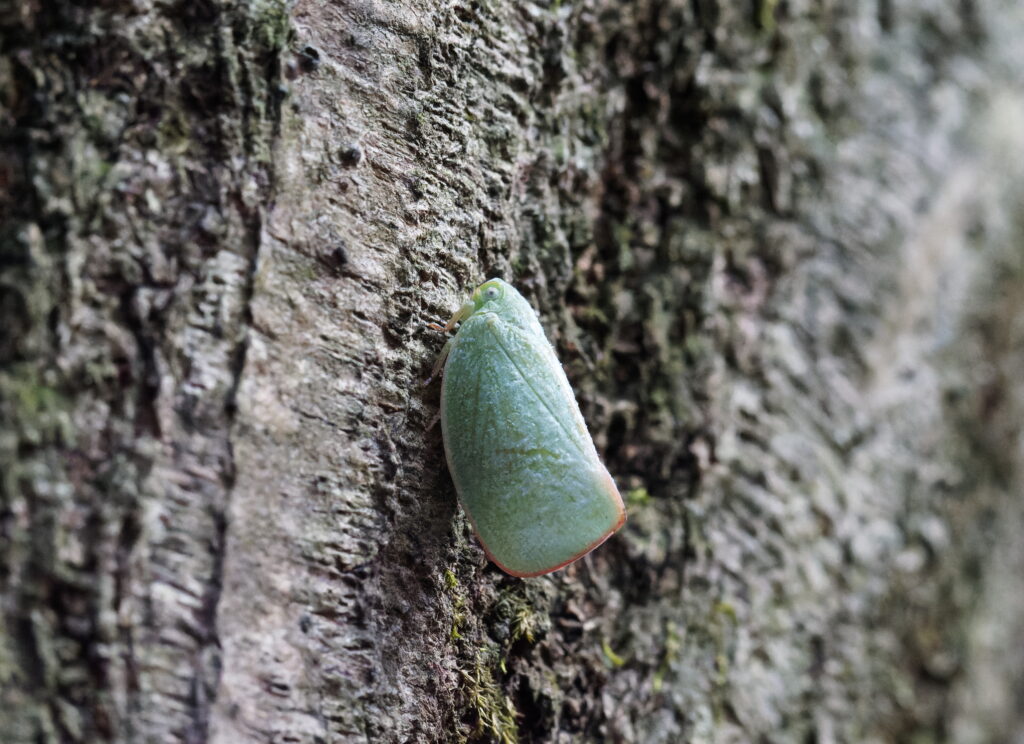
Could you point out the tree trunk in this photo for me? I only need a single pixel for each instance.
(776, 245)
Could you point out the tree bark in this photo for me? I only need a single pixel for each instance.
(776, 245)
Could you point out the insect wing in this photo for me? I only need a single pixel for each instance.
(522, 460)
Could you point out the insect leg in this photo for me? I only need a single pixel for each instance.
(460, 315)
(441, 359)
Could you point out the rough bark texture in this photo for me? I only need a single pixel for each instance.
(778, 246)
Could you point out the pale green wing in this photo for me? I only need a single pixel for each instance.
(523, 463)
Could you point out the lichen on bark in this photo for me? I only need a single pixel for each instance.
(136, 168)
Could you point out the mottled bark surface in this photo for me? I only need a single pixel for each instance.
(778, 246)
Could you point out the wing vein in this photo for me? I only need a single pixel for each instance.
(478, 421)
(536, 394)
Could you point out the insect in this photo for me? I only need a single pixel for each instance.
(524, 466)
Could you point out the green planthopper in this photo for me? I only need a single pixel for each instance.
(525, 467)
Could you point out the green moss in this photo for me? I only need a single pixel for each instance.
(673, 647)
(458, 618)
(623, 236)
(35, 410)
(721, 623)
(455, 592)
(270, 23)
(496, 716)
(523, 620)
(727, 609)
(594, 314)
(613, 658)
(766, 16)
(525, 625)
(638, 497)
(517, 610)
(494, 711)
